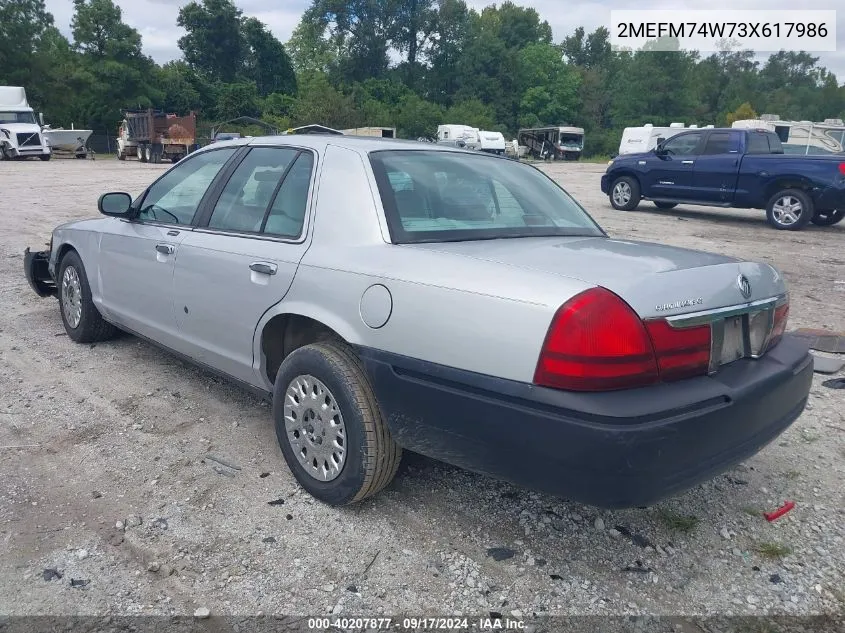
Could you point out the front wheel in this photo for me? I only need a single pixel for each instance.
(625, 193)
(83, 322)
(828, 218)
(790, 210)
(45, 157)
(329, 425)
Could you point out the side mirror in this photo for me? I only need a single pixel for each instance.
(659, 151)
(115, 204)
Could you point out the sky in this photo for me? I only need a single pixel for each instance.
(156, 19)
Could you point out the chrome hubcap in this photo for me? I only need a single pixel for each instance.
(315, 428)
(787, 210)
(622, 193)
(72, 297)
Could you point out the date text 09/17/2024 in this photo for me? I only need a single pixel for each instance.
(489, 623)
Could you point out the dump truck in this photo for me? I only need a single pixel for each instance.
(151, 136)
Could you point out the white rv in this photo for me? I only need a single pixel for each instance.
(801, 137)
(459, 136)
(20, 131)
(493, 142)
(645, 138)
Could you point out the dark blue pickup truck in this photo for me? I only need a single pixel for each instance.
(730, 167)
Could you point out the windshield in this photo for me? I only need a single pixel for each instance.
(17, 117)
(441, 196)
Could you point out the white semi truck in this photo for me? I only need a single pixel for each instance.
(20, 130)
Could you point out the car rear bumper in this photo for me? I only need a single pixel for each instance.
(36, 269)
(618, 449)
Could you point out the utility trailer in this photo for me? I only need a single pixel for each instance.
(151, 136)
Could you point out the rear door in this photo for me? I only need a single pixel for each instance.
(669, 174)
(717, 167)
(242, 257)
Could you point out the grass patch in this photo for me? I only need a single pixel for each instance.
(773, 550)
(679, 522)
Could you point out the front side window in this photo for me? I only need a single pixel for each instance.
(176, 196)
(683, 145)
(432, 196)
(243, 203)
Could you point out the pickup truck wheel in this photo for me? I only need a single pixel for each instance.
(828, 218)
(83, 322)
(625, 193)
(329, 425)
(790, 210)
(666, 205)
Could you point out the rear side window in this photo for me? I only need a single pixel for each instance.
(722, 143)
(764, 143)
(244, 201)
(287, 215)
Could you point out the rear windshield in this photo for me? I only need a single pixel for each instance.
(442, 196)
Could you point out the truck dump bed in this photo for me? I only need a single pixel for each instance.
(148, 126)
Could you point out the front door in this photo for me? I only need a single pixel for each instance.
(669, 173)
(137, 256)
(240, 261)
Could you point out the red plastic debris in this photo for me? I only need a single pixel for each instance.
(773, 516)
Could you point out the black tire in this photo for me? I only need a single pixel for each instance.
(142, 154)
(634, 194)
(805, 214)
(121, 155)
(372, 457)
(828, 218)
(666, 205)
(91, 327)
(45, 157)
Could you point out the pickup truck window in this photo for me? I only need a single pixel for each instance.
(722, 143)
(441, 196)
(764, 143)
(683, 144)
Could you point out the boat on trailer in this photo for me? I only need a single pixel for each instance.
(70, 141)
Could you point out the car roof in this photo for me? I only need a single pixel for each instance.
(364, 144)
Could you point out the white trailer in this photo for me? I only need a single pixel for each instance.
(646, 137)
(492, 142)
(459, 136)
(801, 137)
(20, 130)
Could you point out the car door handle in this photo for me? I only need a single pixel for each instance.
(687, 162)
(263, 268)
(166, 249)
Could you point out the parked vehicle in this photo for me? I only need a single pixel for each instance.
(555, 143)
(645, 138)
(379, 132)
(398, 295)
(731, 168)
(462, 136)
(492, 142)
(20, 131)
(152, 136)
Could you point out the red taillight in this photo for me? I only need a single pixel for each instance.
(681, 353)
(596, 342)
(781, 317)
(842, 168)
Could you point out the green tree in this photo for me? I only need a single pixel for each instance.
(472, 112)
(267, 61)
(213, 44)
(548, 87)
(745, 111)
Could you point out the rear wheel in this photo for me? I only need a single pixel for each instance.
(45, 157)
(148, 154)
(790, 210)
(666, 205)
(329, 425)
(625, 193)
(80, 316)
(142, 155)
(121, 155)
(828, 218)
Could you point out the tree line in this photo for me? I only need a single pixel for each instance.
(409, 64)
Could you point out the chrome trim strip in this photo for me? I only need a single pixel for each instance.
(708, 316)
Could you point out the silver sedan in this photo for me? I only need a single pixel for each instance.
(395, 295)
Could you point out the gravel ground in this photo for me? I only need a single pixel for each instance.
(111, 482)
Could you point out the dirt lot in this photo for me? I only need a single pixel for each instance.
(104, 473)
